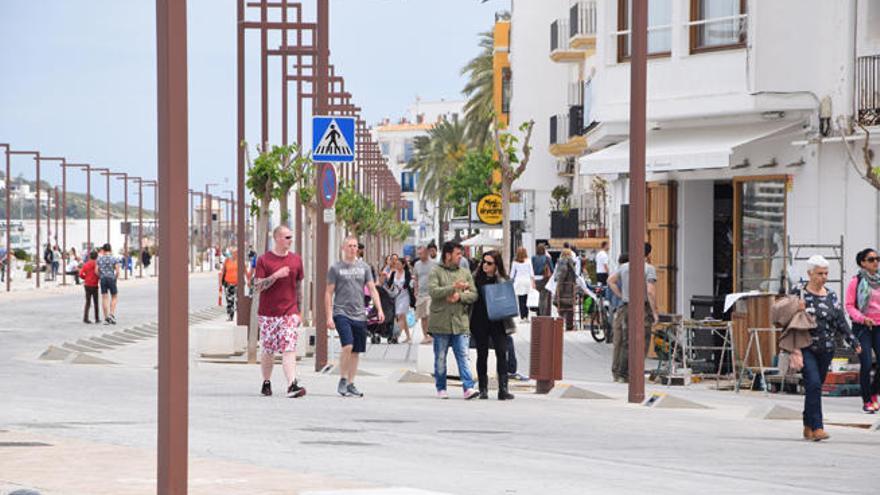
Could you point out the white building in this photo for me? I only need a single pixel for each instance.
(397, 142)
(749, 150)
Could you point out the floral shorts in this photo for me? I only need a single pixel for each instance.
(278, 333)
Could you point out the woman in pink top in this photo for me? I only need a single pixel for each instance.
(863, 306)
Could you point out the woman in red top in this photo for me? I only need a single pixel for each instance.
(90, 283)
(863, 307)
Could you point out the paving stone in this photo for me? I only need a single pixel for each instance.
(55, 354)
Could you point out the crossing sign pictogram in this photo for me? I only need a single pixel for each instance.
(333, 139)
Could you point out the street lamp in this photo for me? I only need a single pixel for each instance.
(104, 172)
(36, 155)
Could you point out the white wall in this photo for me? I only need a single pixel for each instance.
(539, 89)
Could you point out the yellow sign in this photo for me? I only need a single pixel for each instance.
(496, 176)
(489, 209)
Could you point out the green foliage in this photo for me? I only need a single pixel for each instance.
(437, 158)
(474, 176)
(479, 111)
(273, 173)
(21, 254)
(561, 196)
(361, 216)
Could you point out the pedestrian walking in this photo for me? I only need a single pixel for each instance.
(107, 269)
(146, 258)
(863, 306)
(823, 304)
(566, 278)
(56, 262)
(400, 285)
(452, 292)
(523, 280)
(602, 264)
(344, 302)
(422, 270)
(618, 282)
(278, 279)
(229, 282)
(542, 267)
(90, 278)
(483, 330)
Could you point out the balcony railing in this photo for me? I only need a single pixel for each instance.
(868, 90)
(585, 218)
(582, 19)
(565, 126)
(559, 38)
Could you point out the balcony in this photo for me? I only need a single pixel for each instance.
(582, 25)
(560, 44)
(868, 90)
(585, 219)
(567, 134)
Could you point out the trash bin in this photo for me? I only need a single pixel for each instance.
(545, 361)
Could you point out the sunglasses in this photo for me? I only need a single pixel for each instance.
(288, 237)
(490, 263)
(872, 259)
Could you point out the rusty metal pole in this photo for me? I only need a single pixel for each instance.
(322, 61)
(242, 318)
(36, 155)
(190, 236)
(62, 213)
(89, 207)
(127, 226)
(140, 226)
(637, 131)
(174, 281)
(104, 172)
(8, 254)
(156, 222)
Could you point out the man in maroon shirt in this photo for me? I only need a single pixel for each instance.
(277, 278)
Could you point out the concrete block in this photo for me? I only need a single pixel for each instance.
(82, 358)
(78, 348)
(107, 342)
(773, 411)
(575, 392)
(116, 338)
(127, 336)
(425, 361)
(94, 345)
(215, 339)
(659, 400)
(141, 334)
(55, 354)
(409, 376)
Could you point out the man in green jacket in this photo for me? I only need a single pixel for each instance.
(452, 292)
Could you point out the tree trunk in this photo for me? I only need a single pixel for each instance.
(505, 221)
(308, 275)
(283, 203)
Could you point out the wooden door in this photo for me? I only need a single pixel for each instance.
(661, 223)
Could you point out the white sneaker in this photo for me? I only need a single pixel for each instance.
(441, 394)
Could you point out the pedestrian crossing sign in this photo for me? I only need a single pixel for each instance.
(333, 139)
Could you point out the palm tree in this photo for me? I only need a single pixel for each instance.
(437, 157)
(479, 111)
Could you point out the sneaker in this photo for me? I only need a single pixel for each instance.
(295, 391)
(342, 388)
(107, 320)
(112, 320)
(353, 391)
(868, 408)
(518, 377)
(875, 402)
(471, 393)
(267, 388)
(441, 394)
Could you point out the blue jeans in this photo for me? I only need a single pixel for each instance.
(815, 368)
(869, 338)
(460, 344)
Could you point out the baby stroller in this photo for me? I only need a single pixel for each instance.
(376, 329)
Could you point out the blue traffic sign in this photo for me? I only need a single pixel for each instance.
(328, 185)
(333, 139)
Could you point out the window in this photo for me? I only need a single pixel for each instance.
(760, 232)
(407, 182)
(408, 150)
(407, 214)
(717, 25)
(386, 148)
(506, 80)
(659, 28)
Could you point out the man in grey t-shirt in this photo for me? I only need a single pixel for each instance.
(620, 359)
(344, 303)
(422, 269)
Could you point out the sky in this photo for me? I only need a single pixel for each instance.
(78, 77)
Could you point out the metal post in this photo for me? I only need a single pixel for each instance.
(190, 237)
(240, 177)
(63, 212)
(172, 441)
(140, 226)
(8, 266)
(322, 60)
(36, 155)
(637, 131)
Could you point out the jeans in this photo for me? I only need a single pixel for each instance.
(869, 338)
(815, 368)
(460, 344)
(523, 307)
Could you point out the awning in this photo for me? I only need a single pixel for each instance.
(691, 148)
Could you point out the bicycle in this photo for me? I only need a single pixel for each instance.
(600, 314)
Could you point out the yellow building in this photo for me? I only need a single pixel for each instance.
(501, 70)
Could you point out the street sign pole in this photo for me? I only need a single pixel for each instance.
(320, 104)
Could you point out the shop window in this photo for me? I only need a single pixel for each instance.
(760, 233)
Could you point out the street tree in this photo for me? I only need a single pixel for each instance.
(512, 165)
(472, 180)
(479, 111)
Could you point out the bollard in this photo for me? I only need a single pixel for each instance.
(545, 363)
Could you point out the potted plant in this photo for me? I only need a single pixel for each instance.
(600, 189)
(29, 270)
(561, 197)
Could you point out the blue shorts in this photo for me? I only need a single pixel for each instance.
(351, 332)
(109, 285)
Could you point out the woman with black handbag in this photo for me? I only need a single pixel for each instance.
(490, 271)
